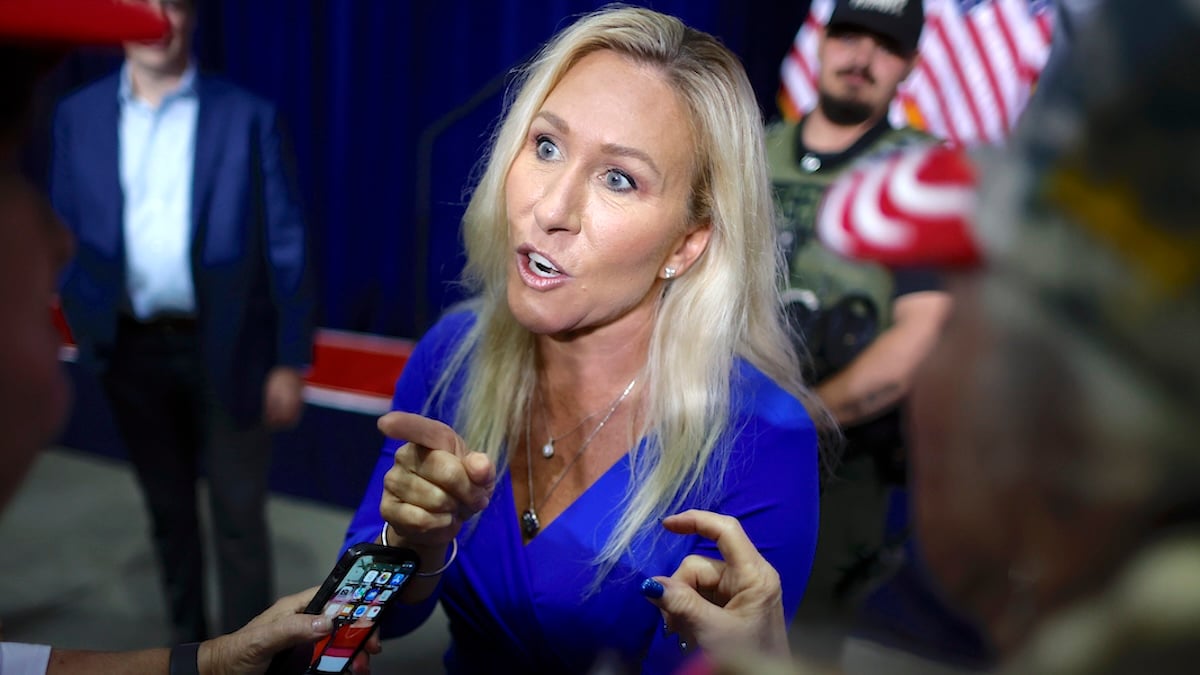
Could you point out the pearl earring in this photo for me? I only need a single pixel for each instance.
(669, 272)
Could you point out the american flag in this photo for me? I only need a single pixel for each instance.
(979, 62)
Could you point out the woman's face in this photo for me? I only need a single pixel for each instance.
(597, 200)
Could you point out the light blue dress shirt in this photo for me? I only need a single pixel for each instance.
(24, 659)
(157, 152)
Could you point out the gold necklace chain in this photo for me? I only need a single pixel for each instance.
(530, 524)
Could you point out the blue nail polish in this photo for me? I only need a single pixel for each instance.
(652, 589)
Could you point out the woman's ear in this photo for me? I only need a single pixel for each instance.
(691, 245)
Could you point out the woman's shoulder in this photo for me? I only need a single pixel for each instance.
(438, 345)
(755, 396)
(445, 335)
(434, 352)
(452, 326)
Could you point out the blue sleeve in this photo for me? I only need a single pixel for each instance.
(61, 194)
(287, 245)
(412, 390)
(770, 485)
(775, 495)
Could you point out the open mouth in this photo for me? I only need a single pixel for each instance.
(542, 267)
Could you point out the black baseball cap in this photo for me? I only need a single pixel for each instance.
(898, 20)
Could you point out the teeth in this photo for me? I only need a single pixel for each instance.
(541, 266)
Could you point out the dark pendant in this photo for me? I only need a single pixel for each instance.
(529, 523)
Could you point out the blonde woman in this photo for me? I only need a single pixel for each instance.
(624, 359)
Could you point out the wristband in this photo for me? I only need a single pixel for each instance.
(185, 659)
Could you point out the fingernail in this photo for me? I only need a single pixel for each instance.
(652, 589)
(322, 624)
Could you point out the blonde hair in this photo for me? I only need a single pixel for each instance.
(727, 305)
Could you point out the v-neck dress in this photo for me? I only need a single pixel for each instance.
(533, 608)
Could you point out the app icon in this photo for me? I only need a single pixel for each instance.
(373, 611)
(384, 596)
(332, 609)
(346, 610)
(360, 592)
(396, 579)
(344, 593)
(370, 576)
(371, 595)
(359, 611)
(383, 577)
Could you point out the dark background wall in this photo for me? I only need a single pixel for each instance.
(389, 104)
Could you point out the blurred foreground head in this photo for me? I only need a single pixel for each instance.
(34, 35)
(1055, 426)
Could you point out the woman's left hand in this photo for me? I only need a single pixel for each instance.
(734, 604)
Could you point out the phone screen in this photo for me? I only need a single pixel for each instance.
(363, 584)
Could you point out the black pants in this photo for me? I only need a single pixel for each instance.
(173, 425)
(852, 528)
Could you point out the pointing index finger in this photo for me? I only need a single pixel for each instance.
(725, 531)
(422, 431)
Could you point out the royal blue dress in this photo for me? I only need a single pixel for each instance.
(516, 607)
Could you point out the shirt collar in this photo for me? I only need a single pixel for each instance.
(832, 160)
(186, 88)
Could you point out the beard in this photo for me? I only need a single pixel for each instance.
(844, 111)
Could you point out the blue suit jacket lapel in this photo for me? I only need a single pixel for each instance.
(102, 129)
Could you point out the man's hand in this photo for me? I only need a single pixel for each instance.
(882, 374)
(249, 650)
(282, 398)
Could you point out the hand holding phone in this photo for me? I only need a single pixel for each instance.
(357, 593)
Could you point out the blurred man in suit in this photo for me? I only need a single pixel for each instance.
(191, 299)
(34, 246)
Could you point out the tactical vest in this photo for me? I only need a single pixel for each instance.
(818, 279)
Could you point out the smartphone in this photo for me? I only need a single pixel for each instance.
(357, 593)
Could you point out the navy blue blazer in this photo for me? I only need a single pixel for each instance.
(250, 251)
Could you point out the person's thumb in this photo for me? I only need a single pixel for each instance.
(682, 607)
(288, 631)
(480, 470)
(250, 649)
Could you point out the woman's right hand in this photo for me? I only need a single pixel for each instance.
(434, 486)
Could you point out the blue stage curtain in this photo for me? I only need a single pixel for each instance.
(389, 104)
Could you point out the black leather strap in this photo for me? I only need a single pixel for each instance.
(185, 659)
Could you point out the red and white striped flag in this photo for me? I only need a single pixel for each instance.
(979, 62)
(913, 208)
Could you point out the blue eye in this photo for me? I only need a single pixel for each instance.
(618, 181)
(546, 149)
